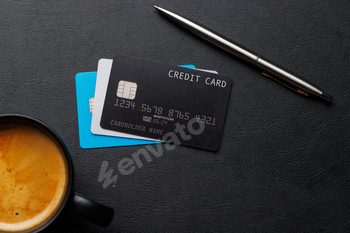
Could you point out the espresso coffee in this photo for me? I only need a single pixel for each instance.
(33, 177)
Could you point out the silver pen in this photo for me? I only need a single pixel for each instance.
(270, 69)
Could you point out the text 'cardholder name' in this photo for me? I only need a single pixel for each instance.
(174, 104)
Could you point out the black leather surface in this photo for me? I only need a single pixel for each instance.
(283, 165)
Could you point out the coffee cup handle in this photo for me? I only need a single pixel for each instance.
(92, 211)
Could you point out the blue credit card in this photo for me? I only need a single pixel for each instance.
(85, 91)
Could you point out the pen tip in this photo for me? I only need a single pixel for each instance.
(327, 97)
(157, 7)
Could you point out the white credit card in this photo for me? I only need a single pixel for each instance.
(103, 73)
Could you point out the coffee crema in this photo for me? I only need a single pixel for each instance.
(33, 177)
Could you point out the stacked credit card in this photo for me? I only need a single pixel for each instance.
(132, 101)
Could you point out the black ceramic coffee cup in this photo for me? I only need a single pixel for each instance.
(71, 201)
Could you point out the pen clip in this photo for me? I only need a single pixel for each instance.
(285, 84)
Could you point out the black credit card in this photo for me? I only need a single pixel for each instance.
(160, 101)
